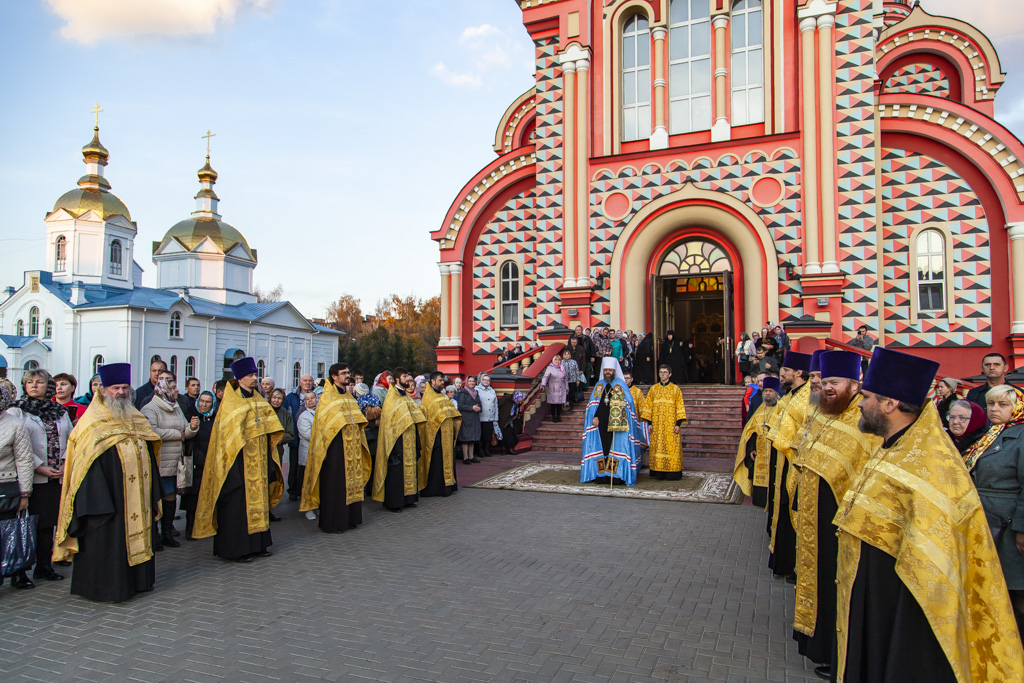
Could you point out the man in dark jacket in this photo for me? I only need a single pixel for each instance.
(145, 392)
(994, 367)
(295, 405)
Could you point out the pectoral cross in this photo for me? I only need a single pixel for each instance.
(208, 136)
(95, 111)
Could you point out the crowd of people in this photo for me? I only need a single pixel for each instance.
(895, 510)
(104, 474)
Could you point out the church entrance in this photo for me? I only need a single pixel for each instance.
(692, 294)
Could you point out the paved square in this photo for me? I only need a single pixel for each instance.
(484, 586)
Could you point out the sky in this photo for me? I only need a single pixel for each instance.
(342, 133)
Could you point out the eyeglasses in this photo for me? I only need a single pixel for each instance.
(957, 418)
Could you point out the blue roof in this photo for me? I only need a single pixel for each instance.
(14, 342)
(329, 330)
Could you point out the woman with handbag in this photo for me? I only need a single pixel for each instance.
(996, 464)
(169, 423)
(48, 428)
(16, 467)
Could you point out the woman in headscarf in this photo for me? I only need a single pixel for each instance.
(643, 365)
(380, 386)
(205, 411)
(94, 385)
(672, 356)
(48, 427)
(578, 352)
(945, 394)
(510, 419)
(370, 406)
(469, 432)
(968, 422)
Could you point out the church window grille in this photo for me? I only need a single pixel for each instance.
(31, 365)
(636, 79)
(173, 367)
(509, 295)
(321, 369)
(19, 328)
(261, 369)
(747, 74)
(931, 271)
(116, 262)
(190, 366)
(175, 325)
(60, 253)
(297, 373)
(694, 257)
(97, 363)
(47, 328)
(33, 322)
(689, 42)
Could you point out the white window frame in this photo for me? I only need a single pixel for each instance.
(691, 27)
(60, 253)
(33, 321)
(97, 363)
(172, 367)
(296, 372)
(19, 328)
(945, 283)
(640, 75)
(190, 367)
(116, 258)
(261, 369)
(510, 300)
(174, 326)
(48, 328)
(752, 90)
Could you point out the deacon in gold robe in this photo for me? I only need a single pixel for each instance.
(437, 463)
(785, 428)
(834, 451)
(242, 478)
(338, 463)
(921, 594)
(751, 470)
(665, 404)
(111, 495)
(402, 431)
(643, 411)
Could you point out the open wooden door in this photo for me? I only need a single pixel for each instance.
(657, 316)
(728, 331)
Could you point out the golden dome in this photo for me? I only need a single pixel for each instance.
(95, 147)
(191, 231)
(207, 172)
(82, 199)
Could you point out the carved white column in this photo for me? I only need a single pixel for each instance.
(569, 173)
(1016, 234)
(826, 130)
(446, 302)
(721, 129)
(581, 231)
(456, 297)
(809, 129)
(659, 138)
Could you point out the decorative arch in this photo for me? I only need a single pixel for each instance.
(516, 123)
(614, 20)
(721, 215)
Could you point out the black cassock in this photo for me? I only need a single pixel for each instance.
(435, 473)
(758, 494)
(335, 515)
(394, 480)
(672, 356)
(601, 413)
(233, 540)
(782, 561)
(818, 648)
(101, 571)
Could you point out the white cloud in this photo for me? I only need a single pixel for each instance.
(88, 21)
(475, 34)
(458, 80)
(992, 17)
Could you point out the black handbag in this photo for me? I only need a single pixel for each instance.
(998, 527)
(10, 496)
(17, 543)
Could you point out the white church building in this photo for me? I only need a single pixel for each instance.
(88, 306)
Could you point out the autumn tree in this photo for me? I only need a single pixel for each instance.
(346, 315)
(406, 333)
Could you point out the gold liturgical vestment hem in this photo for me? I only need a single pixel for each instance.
(337, 412)
(251, 426)
(444, 418)
(95, 433)
(399, 417)
(916, 502)
(756, 424)
(665, 404)
(780, 462)
(834, 452)
(643, 411)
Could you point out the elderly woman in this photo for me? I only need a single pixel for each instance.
(468, 403)
(267, 384)
(277, 398)
(945, 394)
(206, 412)
(171, 425)
(557, 384)
(996, 463)
(968, 422)
(16, 466)
(94, 385)
(572, 376)
(488, 413)
(48, 428)
(305, 427)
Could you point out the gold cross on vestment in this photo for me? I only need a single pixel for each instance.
(208, 136)
(95, 111)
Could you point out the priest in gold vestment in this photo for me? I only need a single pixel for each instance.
(402, 431)
(751, 470)
(242, 479)
(667, 412)
(921, 594)
(111, 495)
(338, 463)
(437, 462)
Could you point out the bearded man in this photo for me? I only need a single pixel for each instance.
(752, 470)
(920, 590)
(338, 462)
(242, 480)
(612, 433)
(111, 495)
(437, 462)
(398, 446)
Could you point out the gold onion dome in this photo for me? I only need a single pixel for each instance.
(192, 231)
(95, 147)
(82, 199)
(207, 172)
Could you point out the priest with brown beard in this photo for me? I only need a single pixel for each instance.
(242, 478)
(402, 431)
(833, 452)
(437, 462)
(111, 495)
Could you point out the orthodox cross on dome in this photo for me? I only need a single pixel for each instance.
(208, 136)
(95, 111)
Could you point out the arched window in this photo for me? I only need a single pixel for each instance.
(97, 363)
(509, 295)
(636, 79)
(31, 365)
(116, 258)
(156, 359)
(173, 366)
(190, 367)
(174, 329)
(261, 369)
(33, 321)
(47, 328)
(60, 253)
(296, 373)
(689, 59)
(747, 73)
(19, 328)
(931, 271)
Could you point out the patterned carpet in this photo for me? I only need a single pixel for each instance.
(695, 486)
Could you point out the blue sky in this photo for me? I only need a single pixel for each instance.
(343, 133)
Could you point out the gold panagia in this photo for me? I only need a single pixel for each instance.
(251, 426)
(441, 418)
(337, 412)
(399, 417)
(916, 502)
(94, 434)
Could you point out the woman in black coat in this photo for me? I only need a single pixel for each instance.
(643, 364)
(672, 355)
(206, 410)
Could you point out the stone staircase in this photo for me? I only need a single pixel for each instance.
(712, 431)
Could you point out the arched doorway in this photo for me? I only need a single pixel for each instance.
(692, 294)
